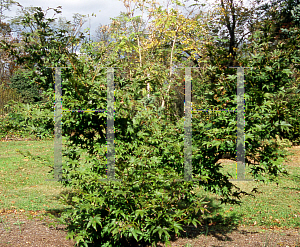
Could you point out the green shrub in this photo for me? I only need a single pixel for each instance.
(149, 148)
(135, 210)
(24, 120)
(147, 206)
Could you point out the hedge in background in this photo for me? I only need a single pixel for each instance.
(24, 86)
(24, 120)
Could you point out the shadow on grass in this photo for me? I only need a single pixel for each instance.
(214, 224)
(296, 178)
(67, 194)
(290, 188)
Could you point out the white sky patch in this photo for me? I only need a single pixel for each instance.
(104, 9)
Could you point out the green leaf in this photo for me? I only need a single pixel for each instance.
(287, 72)
(134, 231)
(269, 68)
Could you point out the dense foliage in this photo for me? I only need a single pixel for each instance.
(25, 120)
(148, 205)
(30, 93)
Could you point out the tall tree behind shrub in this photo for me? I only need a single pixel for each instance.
(278, 39)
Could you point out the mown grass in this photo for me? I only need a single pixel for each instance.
(272, 206)
(23, 182)
(23, 186)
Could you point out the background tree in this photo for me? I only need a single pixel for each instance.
(231, 22)
(4, 6)
(43, 44)
(279, 14)
(7, 65)
(280, 34)
(102, 34)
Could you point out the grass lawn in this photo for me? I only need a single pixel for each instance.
(23, 182)
(273, 206)
(23, 187)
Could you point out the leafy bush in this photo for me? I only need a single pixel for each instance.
(25, 120)
(135, 210)
(31, 116)
(147, 206)
(149, 150)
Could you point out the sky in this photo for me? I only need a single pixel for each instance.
(104, 9)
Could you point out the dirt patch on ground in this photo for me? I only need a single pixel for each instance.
(19, 231)
(242, 236)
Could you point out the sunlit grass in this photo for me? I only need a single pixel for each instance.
(23, 185)
(23, 182)
(273, 206)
